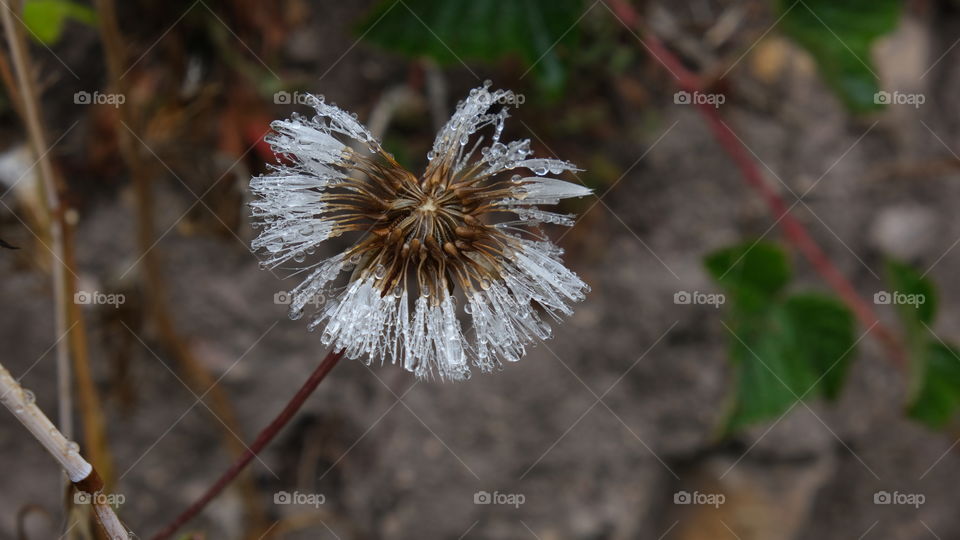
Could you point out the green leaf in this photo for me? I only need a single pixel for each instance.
(783, 348)
(46, 18)
(938, 400)
(915, 301)
(934, 393)
(908, 284)
(752, 272)
(800, 348)
(450, 31)
(823, 330)
(839, 35)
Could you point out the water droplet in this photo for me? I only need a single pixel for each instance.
(484, 284)
(430, 155)
(355, 258)
(379, 271)
(326, 338)
(398, 291)
(516, 179)
(299, 256)
(29, 397)
(306, 230)
(468, 308)
(311, 250)
(540, 171)
(274, 247)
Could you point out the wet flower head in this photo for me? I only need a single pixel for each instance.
(468, 227)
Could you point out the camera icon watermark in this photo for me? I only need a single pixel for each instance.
(709, 499)
(683, 97)
(98, 298)
(99, 498)
(909, 499)
(507, 499)
(697, 298)
(291, 98)
(96, 98)
(899, 98)
(886, 298)
(300, 499)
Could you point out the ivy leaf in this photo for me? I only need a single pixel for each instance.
(449, 31)
(46, 18)
(839, 35)
(783, 347)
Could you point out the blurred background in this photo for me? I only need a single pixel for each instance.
(646, 415)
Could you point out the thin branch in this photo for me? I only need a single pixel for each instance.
(267, 435)
(52, 185)
(81, 473)
(795, 231)
(37, 136)
(154, 282)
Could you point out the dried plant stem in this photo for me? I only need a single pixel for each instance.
(267, 435)
(197, 376)
(88, 398)
(61, 231)
(37, 137)
(80, 472)
(795, 231)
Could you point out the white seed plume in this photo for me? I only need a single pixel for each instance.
(468, 226)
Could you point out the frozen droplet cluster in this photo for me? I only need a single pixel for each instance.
(508, 303)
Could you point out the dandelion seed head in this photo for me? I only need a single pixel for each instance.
(469, 225)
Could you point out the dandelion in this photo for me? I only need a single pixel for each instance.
(468, 227)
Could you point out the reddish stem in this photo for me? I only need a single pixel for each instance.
(795, 232)
(267, 435)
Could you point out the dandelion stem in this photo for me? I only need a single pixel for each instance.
(262, 440)
(796, 233)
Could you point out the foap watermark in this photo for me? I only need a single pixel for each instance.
(697, 298)
(99, 498)
(97, 298)
(285, 298)
(908, 499)
(710, 499)
(899, 98)
(97, 98)
(508, 499)
(897, 298)
(291, 98)
(299, 499)
(512, 99)
(699, 98)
